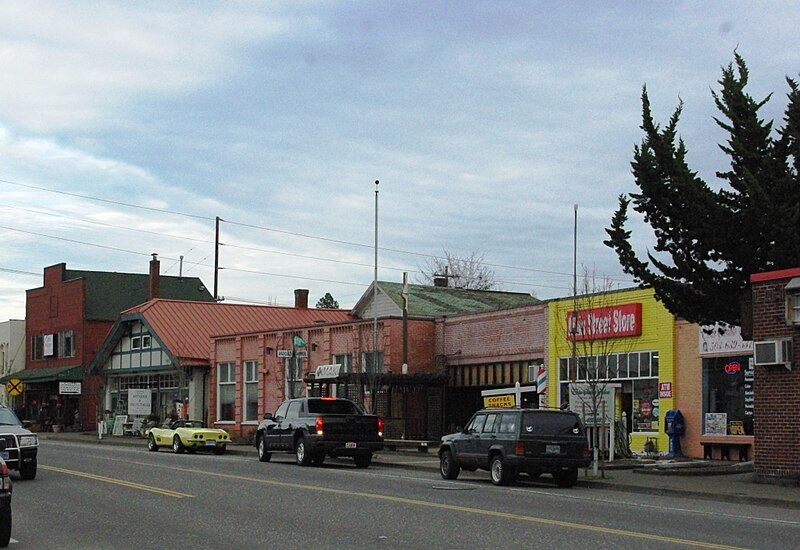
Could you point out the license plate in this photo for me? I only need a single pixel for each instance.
(552, 449)
(4, 455)
(210, 443)
(350, 445)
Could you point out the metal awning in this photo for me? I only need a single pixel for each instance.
(72, 373)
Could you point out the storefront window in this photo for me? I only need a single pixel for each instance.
(226, 391)
(726, 390)
(645, 405)
(250, 391)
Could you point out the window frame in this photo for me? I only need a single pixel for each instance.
(230, 380)
(249, 381)
(136, 342)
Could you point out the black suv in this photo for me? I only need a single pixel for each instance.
(509, 441)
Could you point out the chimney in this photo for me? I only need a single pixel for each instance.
(440, 281)
(301, 298)
(155, 278)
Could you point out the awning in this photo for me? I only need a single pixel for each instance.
(72, 373)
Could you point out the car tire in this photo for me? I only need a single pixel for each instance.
(177, 445)
(5, 526)
(219, 450)
(152, 446)
(263, 454)
(319, 459)
(363, 461)
(302, 454)
(448, 467)
(566, 478)
(28, 470)
(501, 473)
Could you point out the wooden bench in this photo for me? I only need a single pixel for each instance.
(742, 443)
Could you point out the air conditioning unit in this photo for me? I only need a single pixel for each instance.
(773, 352)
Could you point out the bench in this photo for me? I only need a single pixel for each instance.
(419, 445)
(742, 443)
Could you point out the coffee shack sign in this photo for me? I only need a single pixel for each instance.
(605, 322)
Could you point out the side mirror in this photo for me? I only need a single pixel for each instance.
(27, 424)
(268, 416)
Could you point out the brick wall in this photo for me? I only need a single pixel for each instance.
(777, 390)
(689, 385)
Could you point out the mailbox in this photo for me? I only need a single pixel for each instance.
(675, 428)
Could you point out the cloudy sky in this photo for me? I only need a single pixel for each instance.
(485, 122)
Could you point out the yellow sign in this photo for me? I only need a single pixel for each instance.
(737, 427)
(14, 387)
(499, 401)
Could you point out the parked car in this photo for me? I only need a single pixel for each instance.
(188, 436)
(5, 503)
(315, 427)
(509, 441)
(21, 444)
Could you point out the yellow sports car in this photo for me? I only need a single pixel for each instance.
(188, 435)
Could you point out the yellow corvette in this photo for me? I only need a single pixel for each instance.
(188, 435)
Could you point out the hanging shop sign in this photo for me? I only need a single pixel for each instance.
(284, 353)
(723, 339)
(326, 372)
(69, 388)
(499, 402)
(139, 402)
(605, 322)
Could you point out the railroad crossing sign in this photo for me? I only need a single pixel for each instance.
(14, 387)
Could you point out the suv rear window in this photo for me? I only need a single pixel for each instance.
(331, 406)
(551, 423)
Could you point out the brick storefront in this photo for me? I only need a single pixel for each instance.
(777, 388)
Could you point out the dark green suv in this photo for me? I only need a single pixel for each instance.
(509, 441)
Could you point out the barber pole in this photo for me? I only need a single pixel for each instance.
(541, 385)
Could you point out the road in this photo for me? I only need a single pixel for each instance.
(87, 496)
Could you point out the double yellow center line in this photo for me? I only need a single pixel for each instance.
(115, 481)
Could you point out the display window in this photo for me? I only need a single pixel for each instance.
(728, 389)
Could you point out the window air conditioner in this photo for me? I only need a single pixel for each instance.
(773, 352)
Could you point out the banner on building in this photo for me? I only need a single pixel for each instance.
(605, 322)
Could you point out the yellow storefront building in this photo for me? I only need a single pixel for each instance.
(622, 339)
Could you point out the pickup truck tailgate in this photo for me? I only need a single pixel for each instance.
(350, 427)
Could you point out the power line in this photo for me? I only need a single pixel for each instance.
(19, 271)
(287, 232)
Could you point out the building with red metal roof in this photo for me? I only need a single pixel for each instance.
(165, 346)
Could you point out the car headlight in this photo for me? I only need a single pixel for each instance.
(28, 441)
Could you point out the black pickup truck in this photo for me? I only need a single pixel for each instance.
(315, 427)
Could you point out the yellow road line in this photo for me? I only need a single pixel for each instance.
(115, 481)
(452, 507)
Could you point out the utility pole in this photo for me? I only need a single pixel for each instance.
(375, 312)
(574, 328)
(216, 260)
(180, 267)
(405, 323)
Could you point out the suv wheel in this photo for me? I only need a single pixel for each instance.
(177, 445)
(263, 454)
(5, 526)
(447, 466)
(502, 473)
(151, 444)
(28, 470)
(301, 452)
(566, 478)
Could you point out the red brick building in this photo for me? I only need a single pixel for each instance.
(66, 321)
(776, 336)
(266, 365)
(492, 349)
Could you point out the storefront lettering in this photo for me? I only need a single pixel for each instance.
(605, 322)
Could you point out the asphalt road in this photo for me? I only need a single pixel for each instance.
(87, 496)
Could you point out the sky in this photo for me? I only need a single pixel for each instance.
(485, 122)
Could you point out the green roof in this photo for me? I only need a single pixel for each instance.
(109, 293)
(434, 301)
(72, 373)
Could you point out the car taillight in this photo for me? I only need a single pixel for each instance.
(380, 427)
(4, 469)
(520, 450)
(320, 424)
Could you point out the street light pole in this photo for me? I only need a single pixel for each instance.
(574, 325)
(374, 361)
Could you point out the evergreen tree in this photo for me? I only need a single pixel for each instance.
(327, 302)
(715, 238)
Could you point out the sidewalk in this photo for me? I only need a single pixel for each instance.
(734, 488)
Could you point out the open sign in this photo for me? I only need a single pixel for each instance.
(733, 368)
